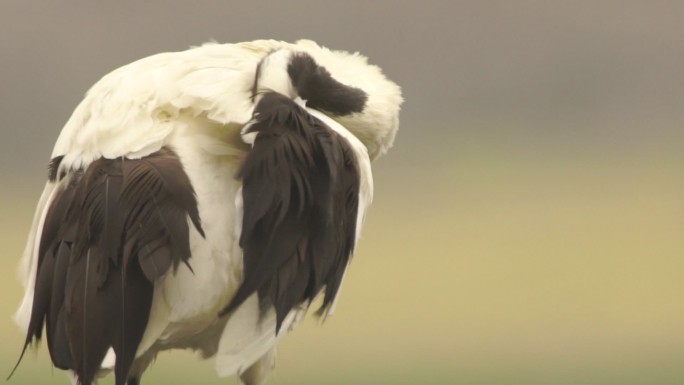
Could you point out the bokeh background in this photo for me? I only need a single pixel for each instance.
(528, 225)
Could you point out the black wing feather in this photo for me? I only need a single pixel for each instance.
(298, 219)
(110, 232)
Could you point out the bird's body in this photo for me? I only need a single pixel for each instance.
(201, 199)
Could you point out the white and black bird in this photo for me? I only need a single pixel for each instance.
(201, 200)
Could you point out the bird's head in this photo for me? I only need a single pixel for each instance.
(340, 84)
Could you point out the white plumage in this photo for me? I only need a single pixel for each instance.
(199, 104)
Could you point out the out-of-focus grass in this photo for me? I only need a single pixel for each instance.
(501, 265)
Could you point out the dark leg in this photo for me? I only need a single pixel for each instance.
(133, 381)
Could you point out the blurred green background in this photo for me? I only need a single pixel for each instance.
(528, 226)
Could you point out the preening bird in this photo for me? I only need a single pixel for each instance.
(202, 200)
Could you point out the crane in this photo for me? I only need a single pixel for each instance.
(202, 200)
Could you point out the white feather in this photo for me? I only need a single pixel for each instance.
(245, 338)
(273, 76)
(28, 266)
(248, 336)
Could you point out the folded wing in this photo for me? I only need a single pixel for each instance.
(301, 201)
(110, 231)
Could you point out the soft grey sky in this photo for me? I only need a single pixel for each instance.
(550, 71)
